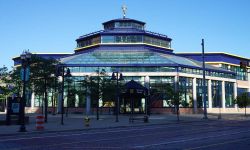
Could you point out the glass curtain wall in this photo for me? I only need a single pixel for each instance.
(216, 93)
(199, 92)
(186, 90)
(135, 39)
(123, 69)
(241, 74)
(159, 94)
(229, 94)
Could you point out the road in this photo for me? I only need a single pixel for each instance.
(205, 135)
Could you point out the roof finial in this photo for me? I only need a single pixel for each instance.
(124, 9)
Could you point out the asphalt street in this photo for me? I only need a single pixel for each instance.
(223, 135)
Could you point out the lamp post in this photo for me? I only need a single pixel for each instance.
(25, 57)
(68, 75)
(60, 72)
(204, 81)
(116, 77)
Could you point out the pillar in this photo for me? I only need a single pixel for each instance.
(32, 103)
(88, 102)
(147, 101)
(235, 94)
(176, 82)
(194, 95)
(59, 96)
(223, 95)
(209, 92)
(59, 102)
(248, 78)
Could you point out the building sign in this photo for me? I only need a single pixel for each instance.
(27, 74)
(15, 107)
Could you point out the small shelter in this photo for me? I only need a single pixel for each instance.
(134, 98)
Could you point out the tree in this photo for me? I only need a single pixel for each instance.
(42, 77)
(175, 98)
(10, 82)
(99, 86)
(243, 101)
(176, 101)
(4, 88)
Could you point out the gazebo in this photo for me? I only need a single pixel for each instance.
(134, 98)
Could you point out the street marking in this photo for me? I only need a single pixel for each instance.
(58, 134)
(83, 147)
(191, 139)
(117, 131)
(216, 144)
(109, 131)
(118, 138)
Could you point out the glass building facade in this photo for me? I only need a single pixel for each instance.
(125, 46)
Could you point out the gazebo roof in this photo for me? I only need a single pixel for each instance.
(134, 85)
(134, 88)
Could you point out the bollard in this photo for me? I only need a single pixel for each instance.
(87, 121)
(39, 122)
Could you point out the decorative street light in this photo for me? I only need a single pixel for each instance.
(115, 76)
(204, 81)
(61, 72)
(68, 75)
(25, 71)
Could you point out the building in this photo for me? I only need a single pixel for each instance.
(124, 45)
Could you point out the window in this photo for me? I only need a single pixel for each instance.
(135, 39)
(216, 93)
(229, 94)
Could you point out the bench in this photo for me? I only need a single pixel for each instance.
(144, 119)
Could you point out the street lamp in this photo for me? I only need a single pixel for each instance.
(60, 71)
(204, 81)
(68, 75)
(25, 57)
(115, 76)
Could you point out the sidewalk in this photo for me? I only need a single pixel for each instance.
(76, 122)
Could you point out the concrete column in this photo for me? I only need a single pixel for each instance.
(194, 95)
(176, 82)
(77, 100)
(209, 92)
(223, 95)
(235, 94)
(59, 97)
(88, 103)
(248, 78)
(59, 102)
(32, 103)
(147, 100)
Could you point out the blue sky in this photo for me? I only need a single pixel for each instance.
(53, 25)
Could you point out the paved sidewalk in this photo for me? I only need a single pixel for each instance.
(76, 122)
